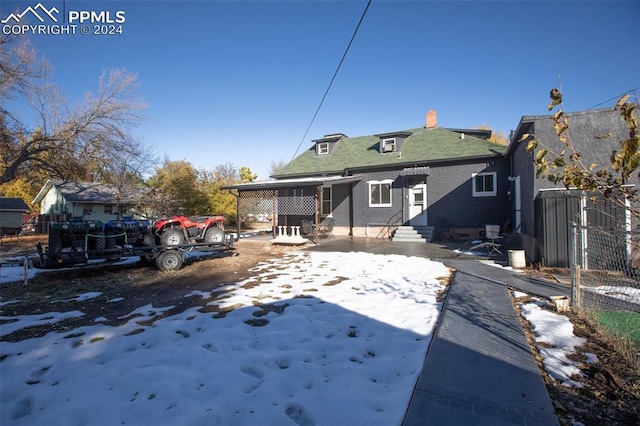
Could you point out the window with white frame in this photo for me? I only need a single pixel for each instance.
(380, 193)
(484, 184)
(325, 202)
(108, 209)
(389, 145)
(323, 148)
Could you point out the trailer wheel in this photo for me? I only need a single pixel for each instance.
(214, 235)
(169, 260)
(172, 237)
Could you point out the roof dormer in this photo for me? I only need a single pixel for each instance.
(392, 142)
(326, 145)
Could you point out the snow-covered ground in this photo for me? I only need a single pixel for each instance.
(348, 352)
(344, 344)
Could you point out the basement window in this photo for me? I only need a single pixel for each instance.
(484, 184)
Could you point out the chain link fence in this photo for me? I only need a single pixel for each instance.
(605, 277)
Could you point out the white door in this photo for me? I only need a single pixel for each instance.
(418, 205)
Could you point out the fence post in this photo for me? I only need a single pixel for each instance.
(575, 267)
(26, 270)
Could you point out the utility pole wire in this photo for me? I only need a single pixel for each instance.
(332, 79)
(614, 98)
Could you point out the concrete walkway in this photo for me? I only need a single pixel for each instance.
(479, 369)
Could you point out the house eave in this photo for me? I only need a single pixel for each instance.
(293, 182)
(43, 191)
(423, 163)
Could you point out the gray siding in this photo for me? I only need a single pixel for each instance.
(595, 134)
(450, 196)
(450, 200)
(363, 214)
(340, 204)
(10, 219)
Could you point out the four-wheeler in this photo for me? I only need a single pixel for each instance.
(79, 241)
(81, 234)
(180, 229)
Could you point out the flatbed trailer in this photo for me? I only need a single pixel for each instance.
(166, 257)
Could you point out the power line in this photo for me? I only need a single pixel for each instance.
(332, 79)
(614, 98)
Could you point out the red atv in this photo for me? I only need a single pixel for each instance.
(182, 230)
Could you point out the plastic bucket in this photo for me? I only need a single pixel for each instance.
(517, 259)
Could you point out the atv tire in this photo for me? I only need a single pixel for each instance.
(172, 237)
(55, 241)
(169, 260)
(111, 247)
(214, 235)
(148, 239)
(100, 242)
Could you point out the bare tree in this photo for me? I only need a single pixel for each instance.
(276, 165)
(92, 140)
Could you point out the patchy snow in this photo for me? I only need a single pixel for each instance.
(343, 343)
(342, 330)
(87, 296)
(557, 331)
(628, 294)
(22, 321)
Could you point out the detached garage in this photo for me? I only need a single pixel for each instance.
(11, 212)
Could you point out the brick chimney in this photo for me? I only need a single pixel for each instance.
(432, 119)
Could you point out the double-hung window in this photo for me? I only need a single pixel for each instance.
(380, 193)
(484, 184)
(323, 148)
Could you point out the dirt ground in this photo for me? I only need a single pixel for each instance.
(610, 396)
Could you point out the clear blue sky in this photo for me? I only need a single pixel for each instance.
(240, 81)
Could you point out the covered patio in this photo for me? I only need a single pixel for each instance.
(292, 207)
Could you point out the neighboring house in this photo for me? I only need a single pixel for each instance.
(93, 200)
(544, 211)
(12, 211)
(449, 180)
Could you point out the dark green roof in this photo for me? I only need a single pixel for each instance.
(423, 146)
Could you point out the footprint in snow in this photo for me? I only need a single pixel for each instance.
(252, 371)
(23, 408)
(36, 376)
(210, 347)
(299, 415)
(256, 374)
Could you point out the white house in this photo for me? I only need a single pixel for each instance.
(93, 200)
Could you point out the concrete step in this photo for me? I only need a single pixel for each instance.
(413, 234)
